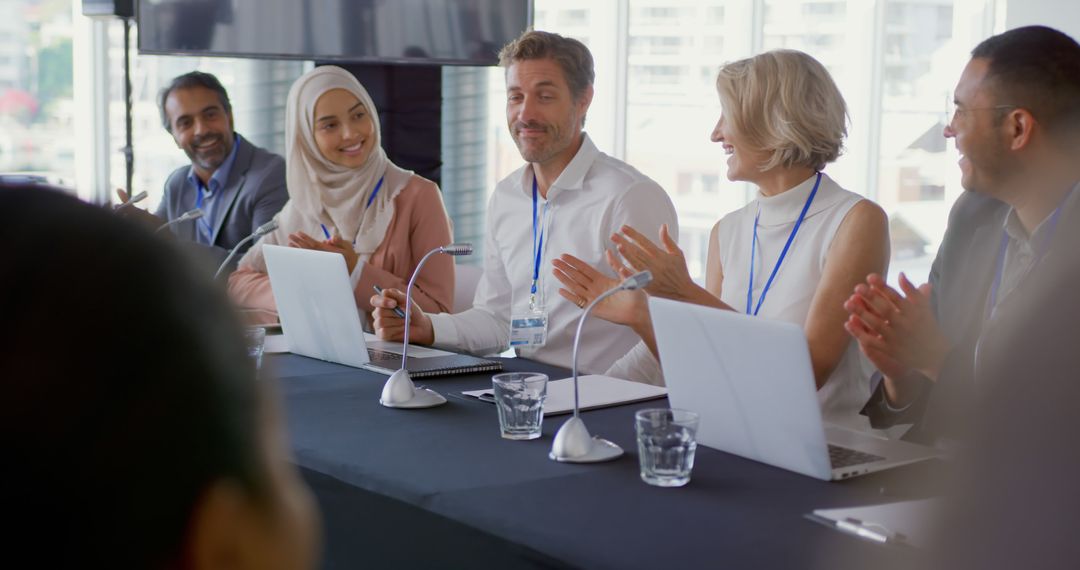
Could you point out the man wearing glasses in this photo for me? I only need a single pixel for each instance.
(1016, 125)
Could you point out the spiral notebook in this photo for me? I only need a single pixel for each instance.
(449, 364)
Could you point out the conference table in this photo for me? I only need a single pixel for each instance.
(439, 488)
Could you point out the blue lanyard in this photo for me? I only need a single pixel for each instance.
(204, 225)
(753, 252)
(1044, 246)
(370, 199)
(374, 193)
(538, 244)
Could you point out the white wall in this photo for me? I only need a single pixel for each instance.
(1063, 15)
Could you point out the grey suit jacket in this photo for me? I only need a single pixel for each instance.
(961, 277)
(253, 194)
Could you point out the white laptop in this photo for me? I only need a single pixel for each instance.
(751, 381)
(320, 320)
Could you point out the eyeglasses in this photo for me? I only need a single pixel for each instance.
(952, 111)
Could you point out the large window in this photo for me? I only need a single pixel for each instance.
(257, 91)
(912, 52)
(896, 62)
(668, 125)
(36, 111)
(44, 123)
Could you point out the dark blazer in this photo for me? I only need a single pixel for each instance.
(1016, 505)
(253, 194)
(961, 277)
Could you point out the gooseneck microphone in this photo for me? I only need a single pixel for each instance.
(457, 249)
(258, 233)
(133, 200)
(573, 444)
(399, 390)
(188, 215)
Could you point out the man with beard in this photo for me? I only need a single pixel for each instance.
(1017, 128)
(569, 198)
(236, 184)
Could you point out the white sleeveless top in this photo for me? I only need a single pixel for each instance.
(796, 282)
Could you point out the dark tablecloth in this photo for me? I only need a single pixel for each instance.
(440, 488)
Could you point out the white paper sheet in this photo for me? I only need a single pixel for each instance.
(595, 391)
(275, 344)
(912, 519)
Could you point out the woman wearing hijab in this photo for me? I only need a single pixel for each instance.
(345, 196)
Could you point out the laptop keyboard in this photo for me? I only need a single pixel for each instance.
(844, 457)
(382, 356)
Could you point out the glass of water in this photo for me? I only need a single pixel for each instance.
(255, 339)
(666, 445)
(519, 397)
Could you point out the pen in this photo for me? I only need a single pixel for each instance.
(397, 310)
(870, 531)
(326, 233)
(873, 532)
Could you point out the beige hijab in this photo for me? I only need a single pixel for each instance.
(323, 192)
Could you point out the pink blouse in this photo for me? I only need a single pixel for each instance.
(420, 224)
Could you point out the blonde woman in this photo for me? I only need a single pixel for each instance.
(794, 253)
(345, 196)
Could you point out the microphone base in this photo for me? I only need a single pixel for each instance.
(574, 444)
(600, 450)
(400, 392)
(422, 398)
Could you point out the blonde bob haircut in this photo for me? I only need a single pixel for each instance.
(784, 102)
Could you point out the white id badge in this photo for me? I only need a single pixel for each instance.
(528, 329)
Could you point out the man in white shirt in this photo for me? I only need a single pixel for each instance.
(569, 198)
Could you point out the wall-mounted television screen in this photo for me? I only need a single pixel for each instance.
(454, 32)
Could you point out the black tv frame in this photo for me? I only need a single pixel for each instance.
(310, 54)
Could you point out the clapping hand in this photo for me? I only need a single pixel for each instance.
(583, 283)
(898, 333)
(670, 276)
(332, 245)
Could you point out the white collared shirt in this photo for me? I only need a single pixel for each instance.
(593, 197)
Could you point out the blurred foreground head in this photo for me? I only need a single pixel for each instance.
(134, 428)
